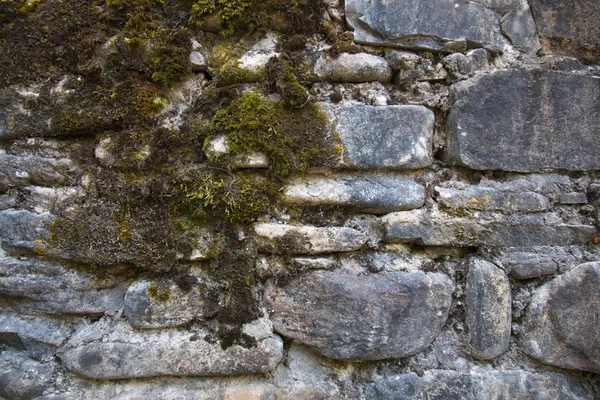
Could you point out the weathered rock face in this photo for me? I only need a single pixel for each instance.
(372, 193)
(440, 385)
(22, 377)
(39, 337)
(561, 326)
(126, 353)
(20, 229)
(526, 265)
(517, 120)
(340, 313)
(488, 309)
(383, 137)
(352, 68)
(569, 29)
(434, 25)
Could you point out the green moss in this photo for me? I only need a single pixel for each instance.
(169, 59)
(160, 291)
(28, 6)
(282, 78)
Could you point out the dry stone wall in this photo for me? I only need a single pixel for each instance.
(233, 200)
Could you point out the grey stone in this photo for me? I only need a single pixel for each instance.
(482, 198)
(20, 229)
(356, 68)
(44, 287)
(22, 378)
(488, 309)
(350, 315)
(293, 239)
(373, 193)
(433, 25)
(125, 353)
(197, 62)
(550, 185)
(39, 337)
(519, 26)
(411, 67)
(445, 384)
(21, 171)
(434, 229)
(573, 198)
(391, 137)
(201, 300)
(525, 265)
(524, 120)
(561, 324)
(569, 29)
(463, 66)
(219, 146)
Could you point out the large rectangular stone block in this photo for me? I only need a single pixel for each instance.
(526, 121)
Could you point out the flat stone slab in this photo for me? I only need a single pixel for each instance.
(569, 28)
(39, 337)
(200, 298)
(561, 324)
(291, 239)
(354, 68)
(20, 229)
(488, 309)
(44, 287)
(437, 229)
(527, 265)
(446, 384)
(525, 121)
(431, 25)
(390, 137)
(125, 353)
(348, 314)
(21, 377)
(372, 193)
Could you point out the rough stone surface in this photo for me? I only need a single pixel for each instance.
(488, 309)
(356, 68)
(411, 67)
(200, 299)
(443, 384)
(573, 198)
(463, 66)
(22, 378)
(20, 229)
(340, 313)
(309, 239)
(526, 265)
(434, 229)
(197, 62)
(373, 193)
(125, 353)
(44, 287)
(432, 25)
(391, 137)
(561, 325)
(523, 120)
(39, 337)
(483, 198)
(220, 146)
(519, 26)
(569, 28)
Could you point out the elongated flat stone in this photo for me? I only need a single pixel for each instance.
(126, 353)
(356, 68)
(483, 198)
(525, 121)
(373, 193)
(433, 25)
(488, 309)
(350, 315)
(391, 137)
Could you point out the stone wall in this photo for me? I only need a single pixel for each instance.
(306, 200)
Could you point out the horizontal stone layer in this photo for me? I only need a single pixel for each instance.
(346, 67)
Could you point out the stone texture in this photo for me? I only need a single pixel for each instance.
(463, 66)
(219, 146)
(20, 229)
(526, 265)
(373, 193)
(361, 67)
(478, 385)
(488, 309)
(391, 137)
(569, 28)
(293, 239)
(436, 229)
(483, 198)
(197, 62)
(102, 351)
(524, 120)
(197, 298)
(573, 198)
(44, 287)
(348, 314)
(22, 378)
(519, 26)
(561, 324)
(39, 337)
(432, 25)
(411, 67)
